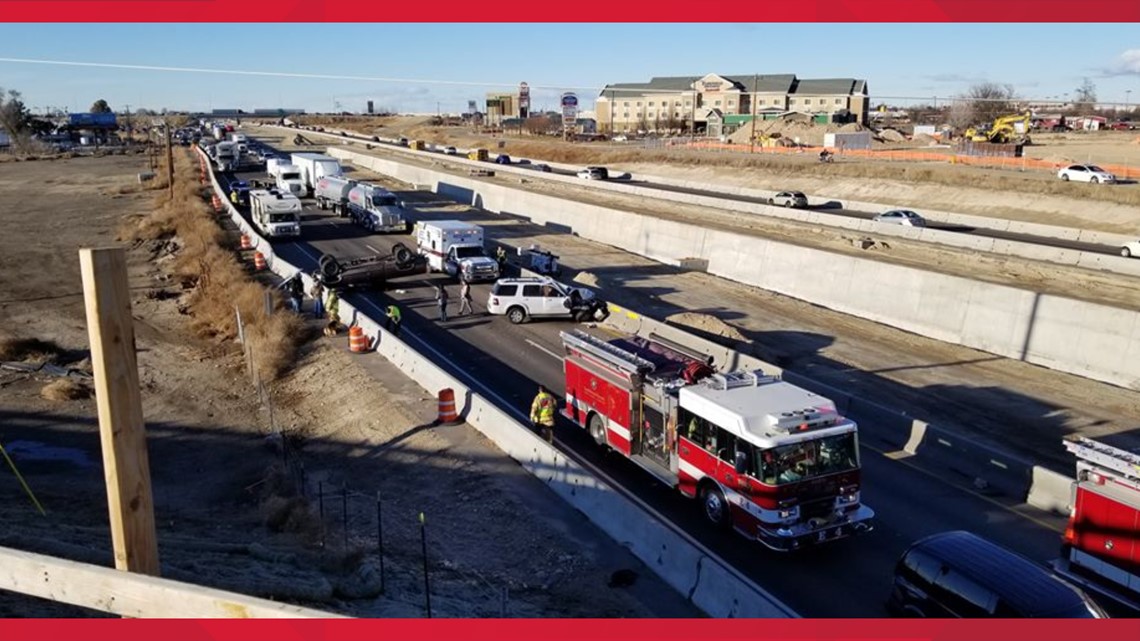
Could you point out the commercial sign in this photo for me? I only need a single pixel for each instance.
(569, 108)
(106, 119)
(524, 97)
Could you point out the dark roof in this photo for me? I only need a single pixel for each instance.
(1025, 585)
(764, 83)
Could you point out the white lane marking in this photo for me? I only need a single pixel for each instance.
(374, 250)
(309, 251)
(524, 418)
(537, 346)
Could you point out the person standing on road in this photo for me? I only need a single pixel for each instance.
(465, 299)
(296, 292)
(501, 257)
(542, 414)
(233, 196)
(334, 306)
(318, 294)
(441, 300)
(393, 314)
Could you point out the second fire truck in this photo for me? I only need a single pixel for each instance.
(773, 461)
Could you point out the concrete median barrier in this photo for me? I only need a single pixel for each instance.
(1050, 491)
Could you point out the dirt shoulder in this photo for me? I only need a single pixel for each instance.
(288, 514)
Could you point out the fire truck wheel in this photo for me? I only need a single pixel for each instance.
(598, 430)
(714, 505)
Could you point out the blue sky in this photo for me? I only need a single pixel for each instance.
(1041, 61)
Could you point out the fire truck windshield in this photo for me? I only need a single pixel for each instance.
(804, 460)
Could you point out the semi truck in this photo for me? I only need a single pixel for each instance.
(1100, 550)
(370, 271)
(227, 156)
(332, 193)
(287, 178)
(313, 167)
(772, 461)
(275, 213)
(376, 209)
(456, 248)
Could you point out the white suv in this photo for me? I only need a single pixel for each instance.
(520, 299)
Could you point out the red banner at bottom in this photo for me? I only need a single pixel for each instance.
(566, 630)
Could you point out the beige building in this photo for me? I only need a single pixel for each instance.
(501, 106)
(715, 103)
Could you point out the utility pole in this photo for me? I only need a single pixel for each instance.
(752, 103)
(169, 158)
(122, 429)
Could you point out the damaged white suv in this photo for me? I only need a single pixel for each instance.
(521, 299)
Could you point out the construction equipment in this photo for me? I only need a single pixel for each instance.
(773, 461)
(1101, 547)
(374, 270)
(301, 140)
(1006, 129)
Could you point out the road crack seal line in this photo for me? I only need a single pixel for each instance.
(697, 580)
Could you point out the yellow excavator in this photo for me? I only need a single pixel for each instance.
(1006, 129)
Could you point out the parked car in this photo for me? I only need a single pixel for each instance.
(543, 167)
(521, 299)
(594, 173)
(901, 217)
(1131, 250)
(961, 575)
(451, 151)
(502, 159)
(1085, 174)
(789, 199)
(522, 161)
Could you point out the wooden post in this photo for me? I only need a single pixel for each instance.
(169, 158)
(121, 427)
(752, 104)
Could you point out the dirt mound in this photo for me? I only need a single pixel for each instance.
(852, 127)
(706, 323)
(28, 349)
(890, 135)
(925, 139)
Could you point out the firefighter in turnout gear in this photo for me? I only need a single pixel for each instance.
(542, 414)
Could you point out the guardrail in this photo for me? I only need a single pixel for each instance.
(710, 584)
(1032, 251)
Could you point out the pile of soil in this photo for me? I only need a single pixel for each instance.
(706, 323)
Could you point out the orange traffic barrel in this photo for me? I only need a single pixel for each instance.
(246, 242)
(217, 202)
(447, 413)
(259, 261)
(357, 341)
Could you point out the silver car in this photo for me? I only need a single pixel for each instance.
(789, 199)
(901, 217)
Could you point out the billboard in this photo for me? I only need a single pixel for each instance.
(524, 100)
(105, 120)
(569, 108)
(472, 106)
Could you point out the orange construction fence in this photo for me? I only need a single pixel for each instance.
(1023, 163)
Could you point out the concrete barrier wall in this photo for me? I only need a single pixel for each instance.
(1088, 339)
(717, 589)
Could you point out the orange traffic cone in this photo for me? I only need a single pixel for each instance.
(357, 341)
(259, 261)
(246, 242)
(447, 413)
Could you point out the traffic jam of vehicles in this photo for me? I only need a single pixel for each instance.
(775, 463)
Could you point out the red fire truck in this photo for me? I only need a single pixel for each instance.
(775, 462)
(1101, 549)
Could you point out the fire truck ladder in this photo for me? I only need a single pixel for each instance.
(1106, 456)
(616, 356)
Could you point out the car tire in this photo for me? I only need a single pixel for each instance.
(516, 315)
(1125, 252)
(788, 204)
(1065, 177)
(1094, 180)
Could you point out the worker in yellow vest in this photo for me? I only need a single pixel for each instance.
(542, 413)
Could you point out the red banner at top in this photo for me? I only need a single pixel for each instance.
(523, 11)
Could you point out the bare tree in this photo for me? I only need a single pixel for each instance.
(988, 101)
(1084, 97)
(15, 117)
(960, 116)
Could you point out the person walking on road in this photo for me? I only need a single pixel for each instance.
(333, 306)
(465, 299)
(318, 294)
(441, 300)
(542, 414)
(393, 314)
(296, 292)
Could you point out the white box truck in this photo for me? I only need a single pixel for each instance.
(275, 213)
(313, 167)
(376, 209)
(456, 248)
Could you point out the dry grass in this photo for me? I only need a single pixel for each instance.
(66, 389)
(28, 349)
(207, 259)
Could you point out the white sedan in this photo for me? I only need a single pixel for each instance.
(1085, 174)
(904, 217)
(1131, 250)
